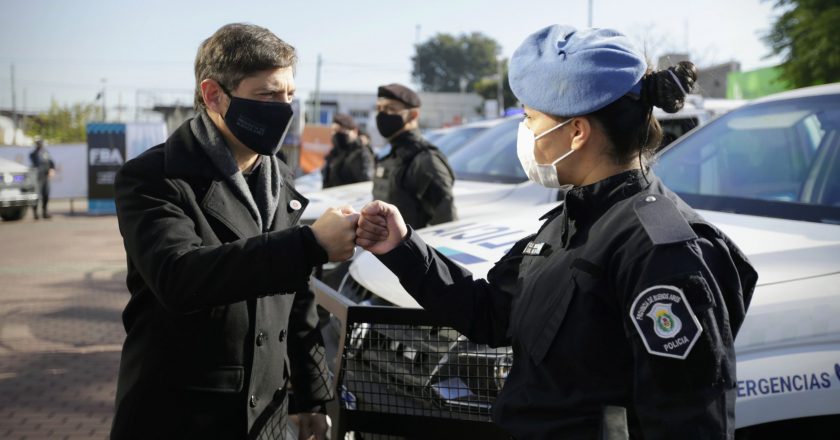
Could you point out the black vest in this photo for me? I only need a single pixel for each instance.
(392, 180)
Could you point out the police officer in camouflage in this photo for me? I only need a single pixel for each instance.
(415, 176)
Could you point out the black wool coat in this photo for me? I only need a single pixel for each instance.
(216, 304)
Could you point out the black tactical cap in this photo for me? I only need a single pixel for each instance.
(400, 93)
(345, 121)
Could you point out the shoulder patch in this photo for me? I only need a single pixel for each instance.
(662, 220)
(665, 321)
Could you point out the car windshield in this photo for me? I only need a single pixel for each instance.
(433, 135)
(490, 156)
(776, 159)
(455, 139)
(673, 128)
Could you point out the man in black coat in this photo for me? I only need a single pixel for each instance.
(415, 176)
(350, 160)
(218, 266)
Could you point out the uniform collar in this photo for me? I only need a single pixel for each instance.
(406, 142)
(584, 204)
(592, 200)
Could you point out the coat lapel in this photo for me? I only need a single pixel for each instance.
(289, 210)
(185, 160)
(223, 205)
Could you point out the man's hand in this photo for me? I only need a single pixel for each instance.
(335, 231)
(381, 227)
(311, 426)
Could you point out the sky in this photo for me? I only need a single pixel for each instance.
(143, 51)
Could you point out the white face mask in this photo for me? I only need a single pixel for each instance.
(544, 174)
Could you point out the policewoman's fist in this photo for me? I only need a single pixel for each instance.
(381, 227)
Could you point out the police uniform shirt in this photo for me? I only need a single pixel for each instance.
(624, 298)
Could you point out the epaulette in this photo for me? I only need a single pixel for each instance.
(662, 220)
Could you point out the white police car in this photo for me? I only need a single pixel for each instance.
(18, 189)
(487, 175)
(487, 169)
(696, 112)
(448, 140)
(768, 175)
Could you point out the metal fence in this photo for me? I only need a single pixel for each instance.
(403, 374)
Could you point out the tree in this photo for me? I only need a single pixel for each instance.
(63, 124)
(805, 35)
(488, 87)
(446, 63)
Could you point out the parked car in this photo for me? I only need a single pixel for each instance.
(489, 158)
(18, 189)
(768, 175)
(487, 174)
(448, 140)
(453, 138)
(696, 112)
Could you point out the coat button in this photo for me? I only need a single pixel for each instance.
(252, 402)
(282, 335)
(260, 339)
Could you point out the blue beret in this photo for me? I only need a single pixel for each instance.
(563, 71)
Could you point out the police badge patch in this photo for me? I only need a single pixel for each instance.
(665, 321)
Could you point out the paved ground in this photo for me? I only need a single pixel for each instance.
(62, 291)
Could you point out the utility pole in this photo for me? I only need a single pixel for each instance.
(23, 112)
(316, 109)
(500, 88)
(104, 108)
(119, 107)
(416, 35)
(590, 13)
(14, 109)
(136, 105)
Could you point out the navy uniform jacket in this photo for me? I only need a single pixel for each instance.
(625, 298)
(215, 304)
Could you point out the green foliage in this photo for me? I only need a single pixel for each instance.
(806, 36)
(488, 88)
(444, 60)
(64, 124)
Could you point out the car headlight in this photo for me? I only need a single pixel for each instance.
(502, 369)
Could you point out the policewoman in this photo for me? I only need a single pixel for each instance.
(623, 308)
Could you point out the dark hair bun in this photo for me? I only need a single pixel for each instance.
(667, 88)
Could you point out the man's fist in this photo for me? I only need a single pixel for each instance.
(335, 231)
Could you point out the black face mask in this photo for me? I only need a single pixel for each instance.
(389, 124)
(340, 140)
(260, 125)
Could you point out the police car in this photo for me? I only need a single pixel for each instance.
(768, 175)
(696, 112)
(487, 169)
(448, 140)
(18, 189)
(487, 175)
